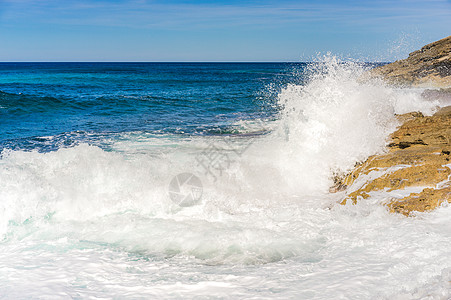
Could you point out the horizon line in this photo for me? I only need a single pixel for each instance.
(186, 62)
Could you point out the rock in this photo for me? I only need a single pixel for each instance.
(427, 200)
(419, 155)
(433, 131)
(429, 66)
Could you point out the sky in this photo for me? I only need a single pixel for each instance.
(186, 31)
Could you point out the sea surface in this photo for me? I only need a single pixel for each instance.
(206, 181)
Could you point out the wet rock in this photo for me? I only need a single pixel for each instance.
(426, 200)
(418, 156)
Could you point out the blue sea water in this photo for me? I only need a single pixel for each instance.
(95, 156)
(89, 101)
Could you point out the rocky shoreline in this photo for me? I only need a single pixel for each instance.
(429, 67)
(414, 175)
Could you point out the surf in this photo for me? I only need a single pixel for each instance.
(265, 220)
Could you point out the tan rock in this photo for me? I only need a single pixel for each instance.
(427, 200)
(429, 66)
(432, 131)
(419, 155)
(427, 174)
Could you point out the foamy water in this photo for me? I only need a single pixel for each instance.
(83, 222)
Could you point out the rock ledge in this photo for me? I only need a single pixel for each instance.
(415, 173)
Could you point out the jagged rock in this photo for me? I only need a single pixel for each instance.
(433, 131)
(427, 174)
(419, 155)
(427, 200)
(429, 66)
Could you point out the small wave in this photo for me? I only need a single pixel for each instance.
(20, 103)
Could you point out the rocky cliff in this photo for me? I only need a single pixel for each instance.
(429, 66)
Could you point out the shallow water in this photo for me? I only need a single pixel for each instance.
(86, 209)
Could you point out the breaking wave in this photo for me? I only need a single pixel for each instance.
(99, 219)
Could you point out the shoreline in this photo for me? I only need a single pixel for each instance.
(414, 174)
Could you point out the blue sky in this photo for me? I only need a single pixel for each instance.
(177, 30)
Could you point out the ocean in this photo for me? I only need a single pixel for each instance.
(206, 181)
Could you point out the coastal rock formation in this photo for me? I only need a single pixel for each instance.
(429, 66)
(415, 173)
